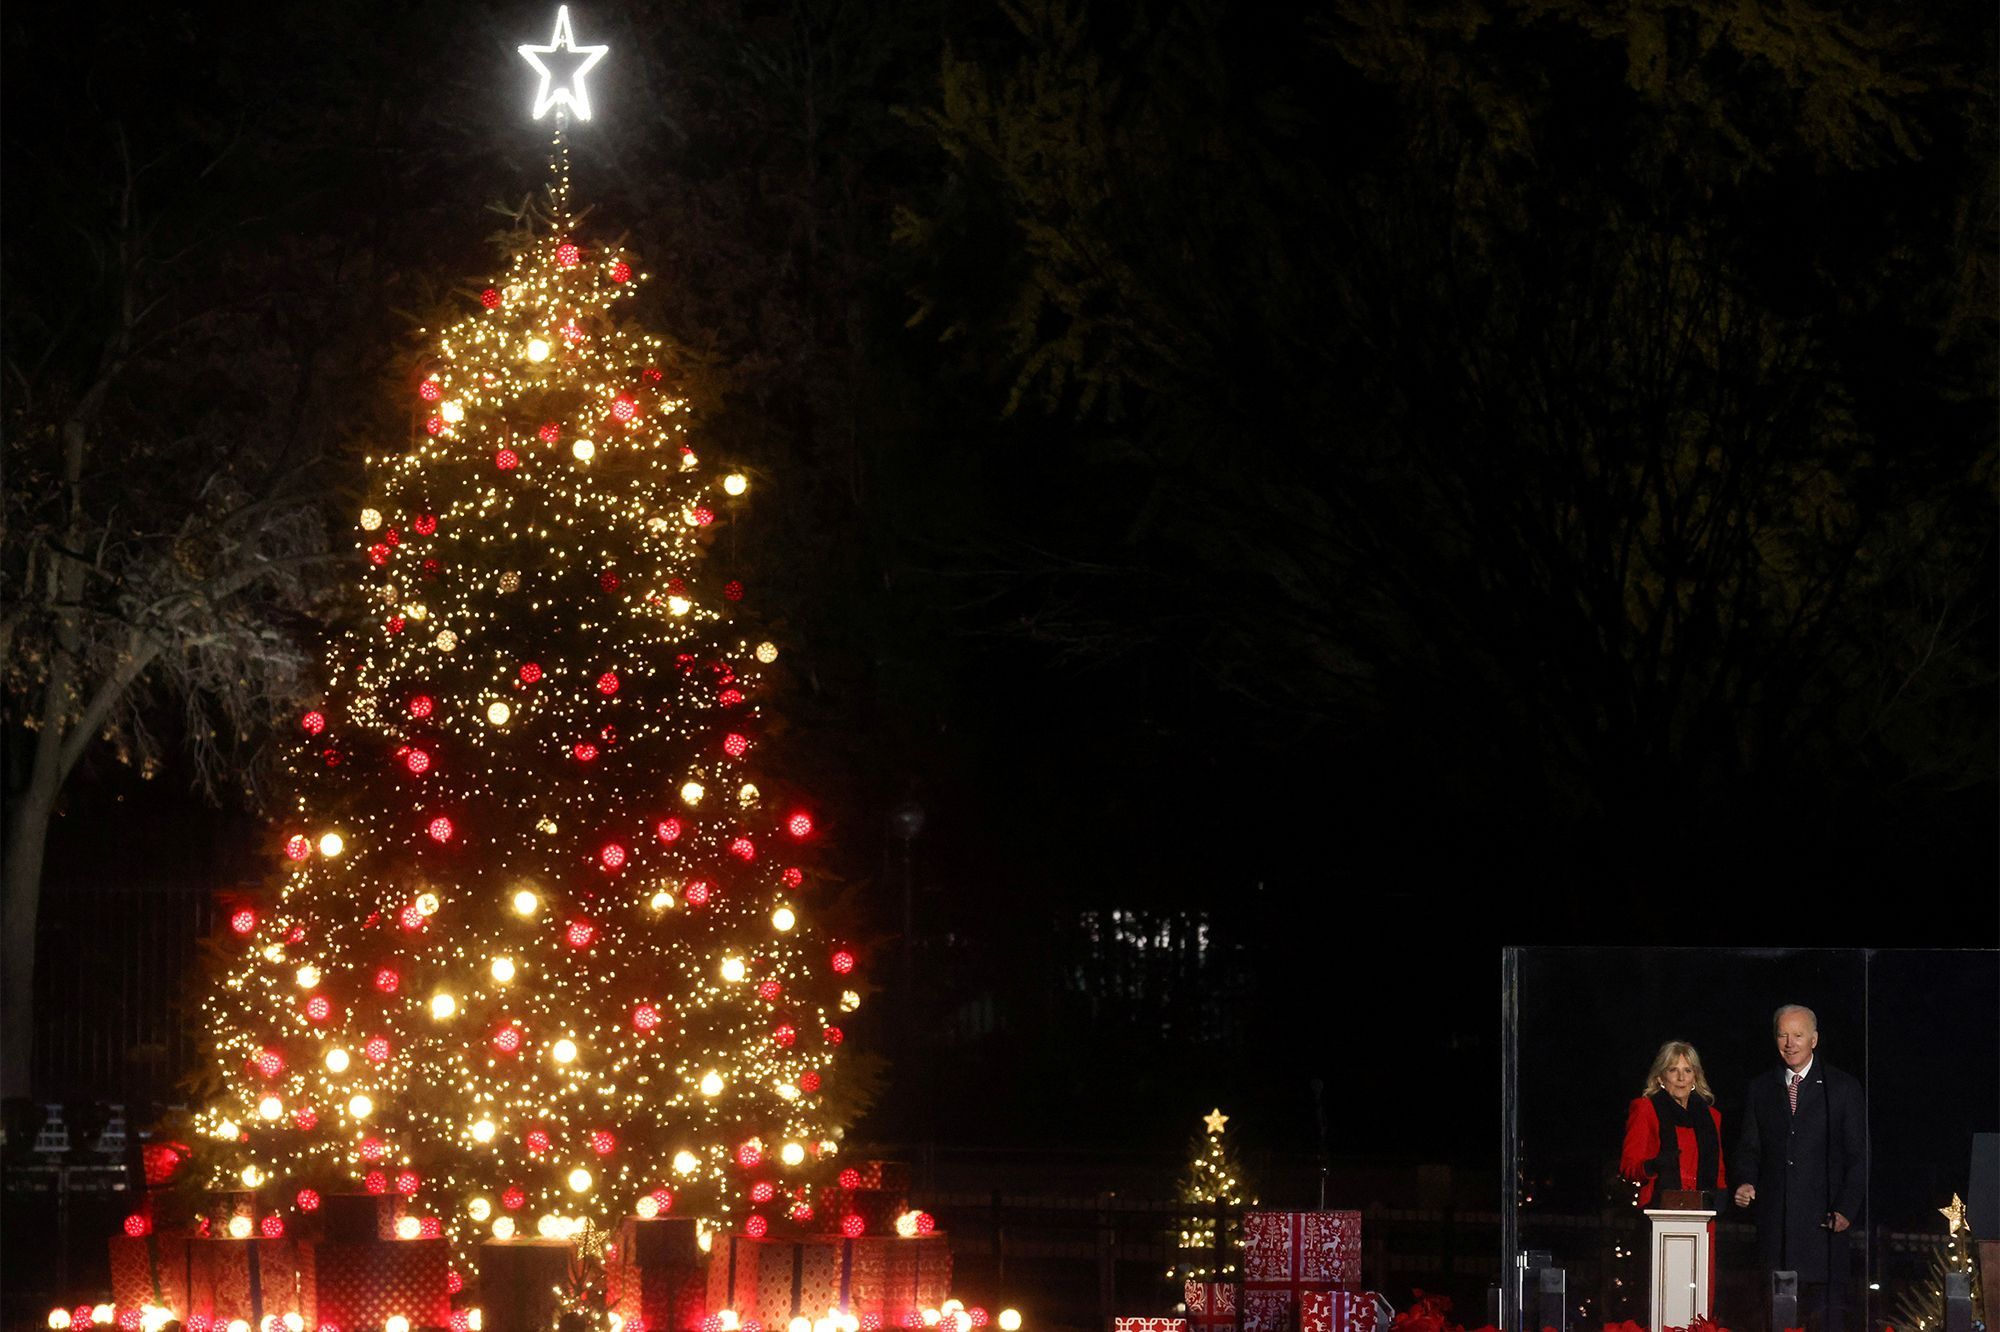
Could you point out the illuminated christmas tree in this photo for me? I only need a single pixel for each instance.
(540, 954)
(1211, 1190)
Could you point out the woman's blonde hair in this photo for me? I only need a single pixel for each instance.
(1669, 1052)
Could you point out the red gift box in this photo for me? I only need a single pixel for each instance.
(778, 1279)
(1337, 1311)
(888, 1176)
(520, 1281)
(247, 1279)
(877, 1208)
(363, 1283)
(1301, 1250)
(656, 1275)
(150, 1269)
(893, 1275)
(1211, 1305)
(355, 1218)
(1149, 1324)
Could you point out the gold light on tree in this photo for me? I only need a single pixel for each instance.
(543, 952)
(1211, 1193)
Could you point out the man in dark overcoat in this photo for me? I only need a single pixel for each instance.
(1802, 1163)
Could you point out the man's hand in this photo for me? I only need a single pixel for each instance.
(1836, 1222)
(1747, 1194)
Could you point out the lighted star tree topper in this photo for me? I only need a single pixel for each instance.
(538, 955)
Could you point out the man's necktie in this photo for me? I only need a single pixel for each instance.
(1792, 1090)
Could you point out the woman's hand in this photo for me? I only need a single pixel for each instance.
(1747, 1194)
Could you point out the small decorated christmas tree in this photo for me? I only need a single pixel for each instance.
(1211, 1194)
(1920, 1306)
(539, 951)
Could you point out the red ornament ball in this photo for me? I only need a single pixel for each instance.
(742, 849)
(769, 991)
(702, 518)
(567, 255)
(536, 1142)
(669, 830)
(977, 1315)
(623, 408)
(809, 1081)
(490, 298)
(407, 1182)
(306, 1118)
(549, 433)
(749, 1153)
(585, 752)
(395, 624)
(410, 918)
(733, 589)
(307, 1199)
(607, 683)
(926, 1223)
(802, 1211)
(429, 390)
(645, 1017)
(421, 706)
(611, 855)
(319, 1008)
(850, 1178)
(608, 580)
(800, 824)
(506, 460)
(440, 829)
(137, 1225)
(513, 1199)
(651, 375)
(377, 1049)
(425, 524)
(387, 980)
(417, 761)
(373, 1149)
(755, 1227)
(621, 271)
(297, 847)
(269, 1063)
(579, 933)
(793, 876)
(332, 757)
(696, 893)
(853, 1225)
(429, 1227)
(393, 537)
(530, 672)
(433, 425)
(314, 722)
(603, 1142)
(843, 962)
(729, 698)
(507, 1040)
(453, 1282)
(834, 1035)
(378, 554)
(375, 1182)
(735, 745)
(785, 1034)
(272, 1226)
(763, 1191)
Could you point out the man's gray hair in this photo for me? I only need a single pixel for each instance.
(1779, 1016)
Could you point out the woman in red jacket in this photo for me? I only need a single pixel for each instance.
(1673, 1132)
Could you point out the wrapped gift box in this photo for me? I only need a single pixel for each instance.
(1149, 1324)
(777, 1279)
(520, 1281)
(150, 1269)
(891, 1275)
(355, 1218)
(1211, 1305)
(888, 1176)
(1337, 1311)
(656, 1273)
(878, 1208)
(364, 1283)
(1301, 1250)
(248, 1279)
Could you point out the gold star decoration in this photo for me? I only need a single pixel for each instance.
(1954, 1215)
(1215, 1119)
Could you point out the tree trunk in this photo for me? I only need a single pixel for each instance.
(21, 882)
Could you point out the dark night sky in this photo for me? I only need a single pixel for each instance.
(1194, 655)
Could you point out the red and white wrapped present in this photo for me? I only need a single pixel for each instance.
(775, 1280)
(1149, 1324)
(365, 1283)
(892, 1275)
(1287, 1254)
(150, 1269)
(1337, 1311)
(656, 1275)
(521, 1281)
(248, 1279)
(1211, 1305)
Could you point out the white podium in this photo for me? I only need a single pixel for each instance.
(1683, 1266)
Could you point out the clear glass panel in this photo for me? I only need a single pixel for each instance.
(1918, 1029)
